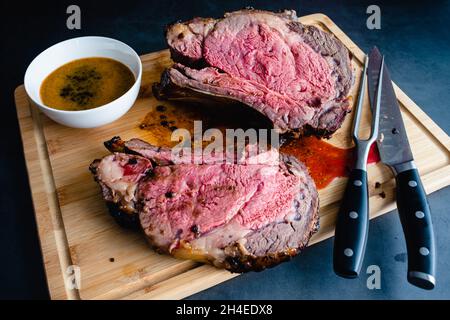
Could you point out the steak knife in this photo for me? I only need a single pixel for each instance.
(411, 200)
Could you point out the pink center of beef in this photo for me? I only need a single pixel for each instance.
(259, 54)
(184, 200)
(123, 168)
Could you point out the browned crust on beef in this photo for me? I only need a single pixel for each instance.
(239, 259)
(179, 30)
(115, 144)
(123, 216)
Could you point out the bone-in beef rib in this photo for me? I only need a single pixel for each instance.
(296, 75)
(241, 217)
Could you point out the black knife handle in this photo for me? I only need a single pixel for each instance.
(352, 227)
(415, 217)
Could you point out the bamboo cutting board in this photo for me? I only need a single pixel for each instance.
(76, 230)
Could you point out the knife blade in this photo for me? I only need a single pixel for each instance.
(392, 134)
(412, 204)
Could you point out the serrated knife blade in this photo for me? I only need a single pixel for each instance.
(392, 142)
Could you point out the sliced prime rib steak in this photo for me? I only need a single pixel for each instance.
(240, 217)
(296, 75)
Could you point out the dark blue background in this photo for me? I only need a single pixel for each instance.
(416, 41)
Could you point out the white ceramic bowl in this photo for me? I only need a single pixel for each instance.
(78, 48)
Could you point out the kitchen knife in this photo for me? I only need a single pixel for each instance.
(412, 202)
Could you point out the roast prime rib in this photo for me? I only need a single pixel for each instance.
(296, 75)
(241, 217)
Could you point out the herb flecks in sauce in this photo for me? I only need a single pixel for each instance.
(82, 85)
(86, 83)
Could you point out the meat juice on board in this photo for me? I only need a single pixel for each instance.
(324, 161)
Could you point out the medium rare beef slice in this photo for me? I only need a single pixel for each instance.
(240, 217)
(298, 76)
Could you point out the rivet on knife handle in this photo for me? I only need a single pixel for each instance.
(415, 217)
(352, 227)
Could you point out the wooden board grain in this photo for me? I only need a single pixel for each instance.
(75, 229)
